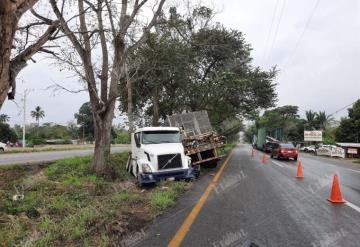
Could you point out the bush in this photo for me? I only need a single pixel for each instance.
(122, 137)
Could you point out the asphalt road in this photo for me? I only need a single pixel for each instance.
(265, 205)
(40, 157)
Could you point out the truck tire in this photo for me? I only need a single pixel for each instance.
(2, 150)
(196, 171)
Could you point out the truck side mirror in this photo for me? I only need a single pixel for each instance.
(137, 139)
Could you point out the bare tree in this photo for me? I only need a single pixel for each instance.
(11, 11)
(102, 33)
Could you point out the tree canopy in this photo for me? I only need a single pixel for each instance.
(190, 63)
(349, 129)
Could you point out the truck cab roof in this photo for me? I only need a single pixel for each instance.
(157, 129)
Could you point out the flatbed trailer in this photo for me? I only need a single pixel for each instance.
(200, 141)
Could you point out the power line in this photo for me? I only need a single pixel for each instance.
(290, 58)
(343, 108)
(271, 27)
(277, 29)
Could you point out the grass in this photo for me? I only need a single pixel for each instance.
(162, 199)
(227, 148)
(66, 204)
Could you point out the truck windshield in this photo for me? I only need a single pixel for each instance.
(157, 137)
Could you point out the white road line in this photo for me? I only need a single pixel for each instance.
(353, 206)
(277, 163)
(353, 170)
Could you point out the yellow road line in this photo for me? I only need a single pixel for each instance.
(183, 230)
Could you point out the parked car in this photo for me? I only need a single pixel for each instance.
(308, 149)
(284, 151)
(269, 146)
(2, 147)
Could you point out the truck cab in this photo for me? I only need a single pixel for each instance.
(157, 153)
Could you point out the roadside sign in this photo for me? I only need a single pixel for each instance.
(313, 136)
(331, 151)
(352, 151)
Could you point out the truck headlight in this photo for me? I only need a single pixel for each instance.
(146, 168)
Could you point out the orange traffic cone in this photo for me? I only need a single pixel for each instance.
(299, 173)
(335, 196)
(264, 159)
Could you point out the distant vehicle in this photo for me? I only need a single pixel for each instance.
(2, 147)
(308, 149)
(284, 151)
(157, 153)
(268, 147)
(265, 136)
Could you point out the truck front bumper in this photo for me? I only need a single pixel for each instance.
(150, 178)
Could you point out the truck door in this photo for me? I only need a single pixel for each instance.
(136, 149)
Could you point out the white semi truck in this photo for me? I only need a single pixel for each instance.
(157, 153)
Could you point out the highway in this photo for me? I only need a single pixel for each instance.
(255, 204)
(42, 157)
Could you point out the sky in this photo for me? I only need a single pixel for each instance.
(314, 44)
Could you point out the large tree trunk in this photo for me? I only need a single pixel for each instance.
(101, 161)
(156, 114)
(129, 101)
(8, 23)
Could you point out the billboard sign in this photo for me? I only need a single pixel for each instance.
(352, 151)
(313, 136)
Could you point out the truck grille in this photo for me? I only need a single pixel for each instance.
(168, 161)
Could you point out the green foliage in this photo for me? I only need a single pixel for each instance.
(85, 118)
(70, 169)
(163, 199)
(118, 164)
(285, 118)
(4, 118)
(190, 63)
(97, 212)
(318, 120)
(249, 133)
(125, 196)
(7, 133)
(122, 136)
(37, 113)
(349, 129)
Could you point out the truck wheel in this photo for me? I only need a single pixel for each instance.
(196, 171)
(2, 150)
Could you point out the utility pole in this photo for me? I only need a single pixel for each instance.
(26, 92)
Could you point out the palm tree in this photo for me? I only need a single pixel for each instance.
(310, 118)
(323, 120)
(37, 114)
(4, 118)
